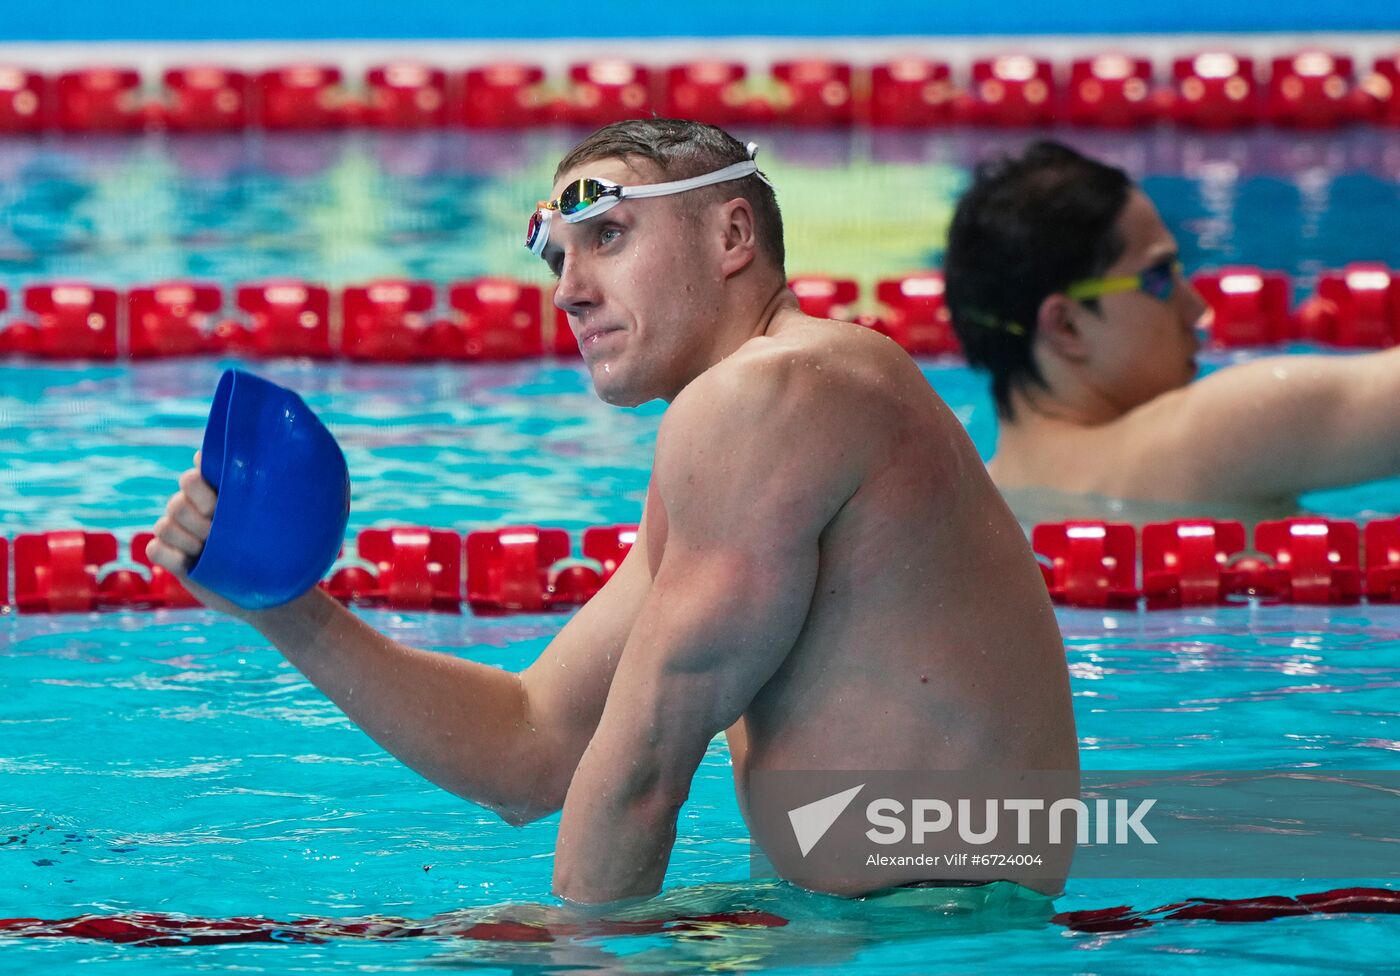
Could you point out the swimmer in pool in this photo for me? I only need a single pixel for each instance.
(1065, 286)
(823, 571)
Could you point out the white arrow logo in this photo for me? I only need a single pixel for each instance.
(811, 821)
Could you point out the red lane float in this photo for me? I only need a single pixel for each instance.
(1011, 91)
(286, 318)
(1092, 564)
(1311, 90)
(4, 573)
(1318, 559)
(1248, 307)
(502, 96)
(417, 569)
(405, 95)
(824, 297)
(173, 318)
(106, 100)
(1358, 306)
(706, 91)
(608, 546)
(911, 93)
(816, 93)
(1111, 90)
(1383, 561)
(57, 572)
(299, 96)
(74, 321)
(1380, 92)
(508, 569)
(916, 316)
(1215, 90)
(386, 321)
(206, 98)
(1184, 563)
(498, 319)
(24, 101)
(608, 91)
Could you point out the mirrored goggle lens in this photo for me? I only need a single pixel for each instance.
(532, 232)
(1160, 279)
(580, 195)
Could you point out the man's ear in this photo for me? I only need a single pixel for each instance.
(1056, 327)
(738, 235)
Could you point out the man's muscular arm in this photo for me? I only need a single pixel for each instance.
(508, 741)
(1282, 426)
(749, 471)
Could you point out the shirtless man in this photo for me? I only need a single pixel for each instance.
(818, 534)
(1063, 283)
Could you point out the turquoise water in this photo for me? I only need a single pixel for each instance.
(171, 762)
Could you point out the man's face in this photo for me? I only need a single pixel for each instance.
(1141, 346)
(639, 285)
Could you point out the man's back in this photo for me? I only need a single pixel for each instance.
(929, 642)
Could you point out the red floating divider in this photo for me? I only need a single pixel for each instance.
(564, 343)
(608, 91)
(1111, 90)
(508, 569)
(1381, 88)
(1358, 306)
(1215, 90)
(173, 319)
(1319, 558)
(56, 572)
(300, 96)
(1311, 90)
(1092, 564)
(289, 318)
(406, 96)
(1248, 307)
(386, 321)
(706, 91)
(816, 93)
(911, 93)
(4, 572)
(502, 96)
(100, 100)
(1184, 562)
(609, 545)
(419, 568)
(163, 590)
(1383, 561)
(24, 101)
(824, 297)
(206, 98)
(500, 319)
(916, 316)
(76, 321)
(1012, 90)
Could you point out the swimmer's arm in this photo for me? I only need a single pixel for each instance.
(509, 742)
(748, 485)
(1286, 425)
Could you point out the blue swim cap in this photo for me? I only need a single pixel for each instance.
(284, 494)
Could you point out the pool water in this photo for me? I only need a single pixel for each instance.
(172, 762)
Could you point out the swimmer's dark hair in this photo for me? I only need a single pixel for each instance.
(1028, 227)
(681, 149)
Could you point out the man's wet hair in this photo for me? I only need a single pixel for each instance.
(680, 149)
(1028, 227)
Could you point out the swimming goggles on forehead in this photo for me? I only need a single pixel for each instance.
(589, 197)
(1158, 280)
